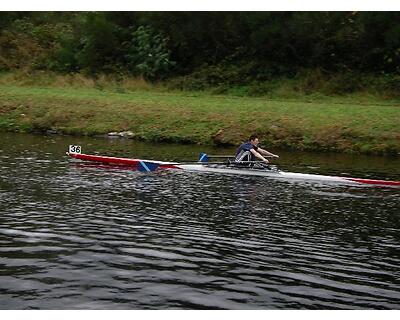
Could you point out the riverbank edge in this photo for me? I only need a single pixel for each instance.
(156, 116)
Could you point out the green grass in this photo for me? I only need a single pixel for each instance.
(326, 123)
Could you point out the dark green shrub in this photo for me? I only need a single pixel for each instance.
(390, 84)
(147, 54)
(210, 77)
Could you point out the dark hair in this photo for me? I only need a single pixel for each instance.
(253, 137)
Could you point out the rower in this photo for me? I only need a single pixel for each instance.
(249, 151)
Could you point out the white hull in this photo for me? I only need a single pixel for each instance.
(263, 173)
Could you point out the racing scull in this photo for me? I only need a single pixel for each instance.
(225, 168)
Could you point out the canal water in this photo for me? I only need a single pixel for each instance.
(87, 237)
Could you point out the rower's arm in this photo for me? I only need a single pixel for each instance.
(267, 153)
(258, 155)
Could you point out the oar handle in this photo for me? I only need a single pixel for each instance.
(257, 161)
(220, 156)
(203, 157)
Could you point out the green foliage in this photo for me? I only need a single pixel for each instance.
(98, 44)
(7, 124)
(25, 45)
(147, 54)
(207, 49)
(65, 57)
(208, 77)
(238, 81)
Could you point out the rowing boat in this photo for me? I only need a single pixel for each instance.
(224, 168)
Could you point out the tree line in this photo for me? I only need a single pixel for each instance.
(254, 46)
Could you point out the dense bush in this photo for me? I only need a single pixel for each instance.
(147, 54)
(208, 77)
(219, 50)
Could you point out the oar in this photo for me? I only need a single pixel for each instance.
(204, 157)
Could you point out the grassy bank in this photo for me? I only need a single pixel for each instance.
(357, 123)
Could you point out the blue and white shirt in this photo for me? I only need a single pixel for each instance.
(243, 152)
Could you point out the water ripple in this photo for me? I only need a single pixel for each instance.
(95, 238)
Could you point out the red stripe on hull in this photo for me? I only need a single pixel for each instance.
(376, 182)
(102, 159)
(118, 161)
(168, 166)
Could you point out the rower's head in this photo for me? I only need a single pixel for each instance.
(254, 140)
